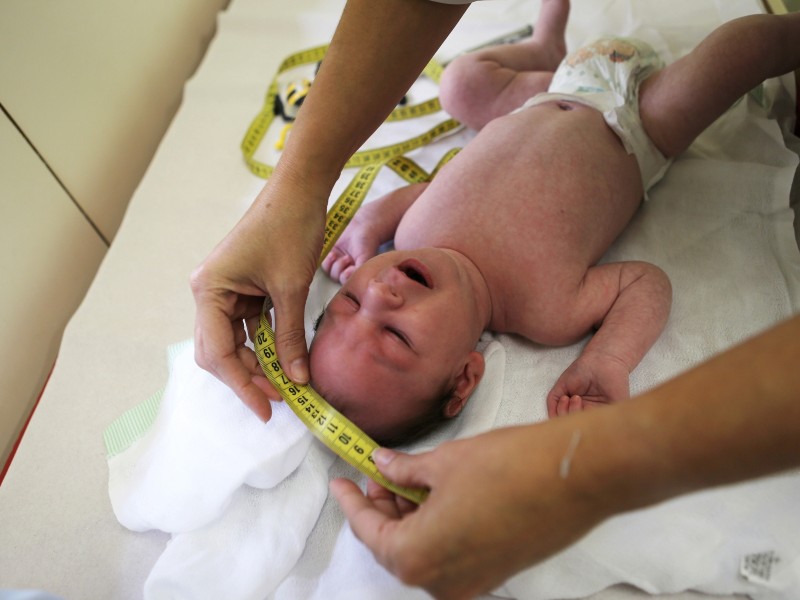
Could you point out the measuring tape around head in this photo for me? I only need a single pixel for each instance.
(337, 432)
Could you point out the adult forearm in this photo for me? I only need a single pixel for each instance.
(735, 417)
(377, 52)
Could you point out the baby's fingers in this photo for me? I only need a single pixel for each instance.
(575, 404)
(334, 255)
(564, 405)
(336, 263)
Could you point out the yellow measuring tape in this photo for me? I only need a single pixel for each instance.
(262, 122)
(433, 70)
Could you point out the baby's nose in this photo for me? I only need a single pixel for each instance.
(384, 294)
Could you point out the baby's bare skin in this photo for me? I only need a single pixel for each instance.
(528, 232)
(527, 209)
(514, 190)
(512, 204)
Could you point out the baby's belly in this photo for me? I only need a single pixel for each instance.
(540, 194)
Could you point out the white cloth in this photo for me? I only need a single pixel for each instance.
(697, 542)
(203, 447)
(239, 496)
(253, 545)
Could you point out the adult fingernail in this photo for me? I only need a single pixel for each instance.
(299, 371)
(382, 456)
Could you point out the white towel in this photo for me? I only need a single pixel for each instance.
(202, 448)
(239, 496)
(253, 545)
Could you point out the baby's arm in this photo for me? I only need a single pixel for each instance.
(629, 304)
(373, 224)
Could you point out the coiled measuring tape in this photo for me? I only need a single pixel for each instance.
(261, 123)
(433, 70)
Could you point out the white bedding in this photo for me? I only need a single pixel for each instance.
(719, 224)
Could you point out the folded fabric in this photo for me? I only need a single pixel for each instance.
(204, 445)
(253, 545)
(239, 496)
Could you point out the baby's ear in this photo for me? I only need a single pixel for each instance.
(466, 382)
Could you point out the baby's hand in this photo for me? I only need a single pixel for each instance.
(358, 243)
(589, 382)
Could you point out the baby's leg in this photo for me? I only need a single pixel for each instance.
(489, 83)
(680, 101)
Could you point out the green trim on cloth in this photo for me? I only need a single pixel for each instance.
(131, 425)
(134, 422)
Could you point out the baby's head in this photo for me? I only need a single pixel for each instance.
(394, 350)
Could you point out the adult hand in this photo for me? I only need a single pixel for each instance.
(509, 498)
(498, 503)
(273, 251)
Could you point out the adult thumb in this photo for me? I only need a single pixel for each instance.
(407, 470)
(290, 339)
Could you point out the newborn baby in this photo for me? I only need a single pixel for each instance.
(507, 237)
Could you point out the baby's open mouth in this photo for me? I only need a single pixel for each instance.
(416, 271)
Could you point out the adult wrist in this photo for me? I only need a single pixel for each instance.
(613, 459)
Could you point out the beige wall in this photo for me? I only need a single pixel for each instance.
(48, 256)
(87, 90)
(94, 85)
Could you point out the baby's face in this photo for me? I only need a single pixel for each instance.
(395, 336)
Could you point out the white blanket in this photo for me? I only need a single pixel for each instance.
(247, 503)
(240, 497)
